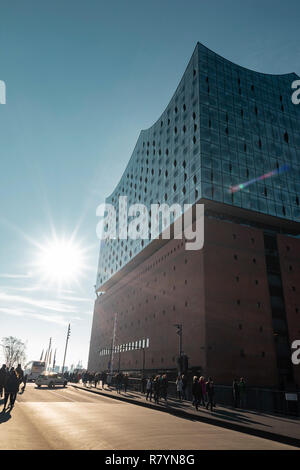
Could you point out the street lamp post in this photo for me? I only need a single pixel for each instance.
(67, 339)
(179, 332)
(143, 372)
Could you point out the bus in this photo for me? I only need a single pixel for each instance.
(35, 369)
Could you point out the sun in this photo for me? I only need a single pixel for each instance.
(60, 261)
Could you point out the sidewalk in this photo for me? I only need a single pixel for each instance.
(277, 428)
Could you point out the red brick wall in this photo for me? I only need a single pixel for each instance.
(149, 301)
(289, 255)
(223, 337)
(232, 276)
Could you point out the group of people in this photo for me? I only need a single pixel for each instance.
(157, 387)
(10, 381)
(203, 392)
(93, 378)
(121, 380)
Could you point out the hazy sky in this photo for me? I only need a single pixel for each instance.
(83, 78)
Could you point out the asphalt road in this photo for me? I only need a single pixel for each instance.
(70, 419)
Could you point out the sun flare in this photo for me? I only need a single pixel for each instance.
(60, 261)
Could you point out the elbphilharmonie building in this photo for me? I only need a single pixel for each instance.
(228, 139)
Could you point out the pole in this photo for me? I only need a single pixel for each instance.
(48, 353)
(179, 332)
(180, 341)
(143, 372)
(113, 344)
(67, 339)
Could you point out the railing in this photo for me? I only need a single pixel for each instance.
(258, 399)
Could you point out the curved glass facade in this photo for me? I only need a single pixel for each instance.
(224, 125)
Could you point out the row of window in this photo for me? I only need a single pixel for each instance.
(131, 346)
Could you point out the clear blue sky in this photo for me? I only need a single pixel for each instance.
(83, 78)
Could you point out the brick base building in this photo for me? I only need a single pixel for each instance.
(237, 299)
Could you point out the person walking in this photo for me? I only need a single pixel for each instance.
(179, 387)
(20, 373)
(156, 388)
(164, 387)
(149, 388)
(96, 379)
(104, 379)
(143, 384)
(184, 386)
(125, 382)
(24, 383)
(236, 393)
(84, 379)
(210, 393)
(242, 392)
(11, 388)
(202, 391)
(119, 380)
(3, 374)
(195, 391)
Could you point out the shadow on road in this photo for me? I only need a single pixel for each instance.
(54, 388)
(5, 416)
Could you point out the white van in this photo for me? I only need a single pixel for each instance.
(50, 380)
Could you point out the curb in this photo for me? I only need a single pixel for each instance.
(204, 419)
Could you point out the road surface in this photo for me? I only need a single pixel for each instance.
(71, 419)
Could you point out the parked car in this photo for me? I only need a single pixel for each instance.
(51, 380)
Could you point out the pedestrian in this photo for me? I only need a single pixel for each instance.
(104, 379)
(210, 393)
(156, 388)
(3, 374)
(11, 388)
(242, 392)
(20, 373)
(179, 385)
(195, 391)
(90, 378)
(125, 382)
(96, 378)
(202, 391)
(84, 379)
(149, 388)
(119, 381)
(184, 386)
(143, 384)
(24, 382)
(164, 387)
(236, 393)
(108, 380)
